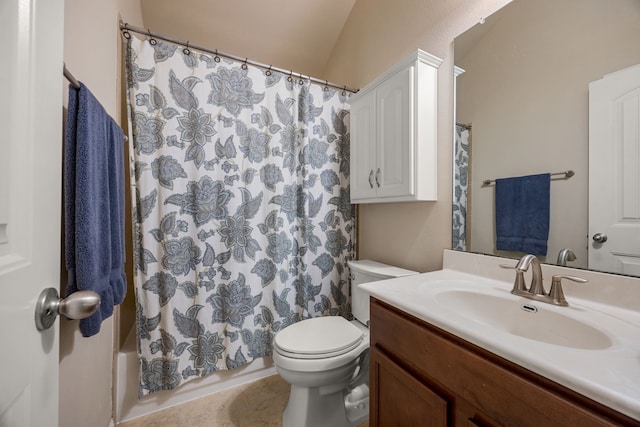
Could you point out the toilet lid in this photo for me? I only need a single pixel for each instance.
(318, 337)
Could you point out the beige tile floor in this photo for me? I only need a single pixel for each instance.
(257, 404)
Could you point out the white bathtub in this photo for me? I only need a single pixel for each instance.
(128, 406)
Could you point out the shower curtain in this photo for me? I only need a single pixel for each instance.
(460, 187)
(242, 218)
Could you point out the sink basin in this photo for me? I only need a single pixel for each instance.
(524, 318)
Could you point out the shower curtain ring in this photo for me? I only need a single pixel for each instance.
(326, 86)
(186, 50)
(125, 32)
(344, 91)
(152, 41)
(290, 78)
(268, 72)
(244, 64)
(216, 58)
(301, 81)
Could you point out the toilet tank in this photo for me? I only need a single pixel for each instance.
(365, 271)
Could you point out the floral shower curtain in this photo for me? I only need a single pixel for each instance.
(460, 187)
(242, 218)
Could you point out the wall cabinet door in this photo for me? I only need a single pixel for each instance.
(393, 117)
(363, 148)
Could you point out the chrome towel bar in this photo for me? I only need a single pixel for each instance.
(567, 174)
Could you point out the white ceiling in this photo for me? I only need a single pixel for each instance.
(296, 35)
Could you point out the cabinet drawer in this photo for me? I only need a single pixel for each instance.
(504, 391)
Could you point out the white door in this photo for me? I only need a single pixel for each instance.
(30, 177)
(614, 172)
(394, 114)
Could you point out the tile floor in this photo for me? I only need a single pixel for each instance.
(257, 404)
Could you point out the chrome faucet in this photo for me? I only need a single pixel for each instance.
(536, 289)
(565, 255)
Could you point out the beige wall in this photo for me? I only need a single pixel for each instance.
(293, 35)
(525, 92)
(92, 54)
(378, 34)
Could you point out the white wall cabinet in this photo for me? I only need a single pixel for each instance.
(393, 134)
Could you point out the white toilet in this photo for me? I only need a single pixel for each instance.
(326, 359)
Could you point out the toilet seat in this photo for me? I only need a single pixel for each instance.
(318, 338)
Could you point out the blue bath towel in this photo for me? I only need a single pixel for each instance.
(93, 205)
(522, 214)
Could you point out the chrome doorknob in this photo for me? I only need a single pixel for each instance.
(78, 305)
(599, 238)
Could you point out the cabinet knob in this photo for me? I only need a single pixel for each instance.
(378, 177)
(371, 178)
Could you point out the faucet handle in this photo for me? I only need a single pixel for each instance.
(518, 284)
(556, 294)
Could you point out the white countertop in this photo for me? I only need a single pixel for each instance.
(609, 374)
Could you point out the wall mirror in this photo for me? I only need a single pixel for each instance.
(525, 96)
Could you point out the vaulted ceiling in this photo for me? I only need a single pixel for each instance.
(297, 35)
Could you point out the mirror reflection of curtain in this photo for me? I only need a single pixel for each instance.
(460, 186)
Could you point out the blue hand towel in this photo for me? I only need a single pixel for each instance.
(94, 205)
(522, 214)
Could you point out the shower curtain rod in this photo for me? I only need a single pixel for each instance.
(125, 28)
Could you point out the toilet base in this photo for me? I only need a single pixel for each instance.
(307, 407)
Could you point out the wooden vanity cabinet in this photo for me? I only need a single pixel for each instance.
(424, 376)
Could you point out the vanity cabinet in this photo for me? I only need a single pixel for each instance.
(393, 134)
(422, 375)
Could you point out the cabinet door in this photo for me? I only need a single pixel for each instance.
(398, 399)
(363, 143)
(395, 135)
